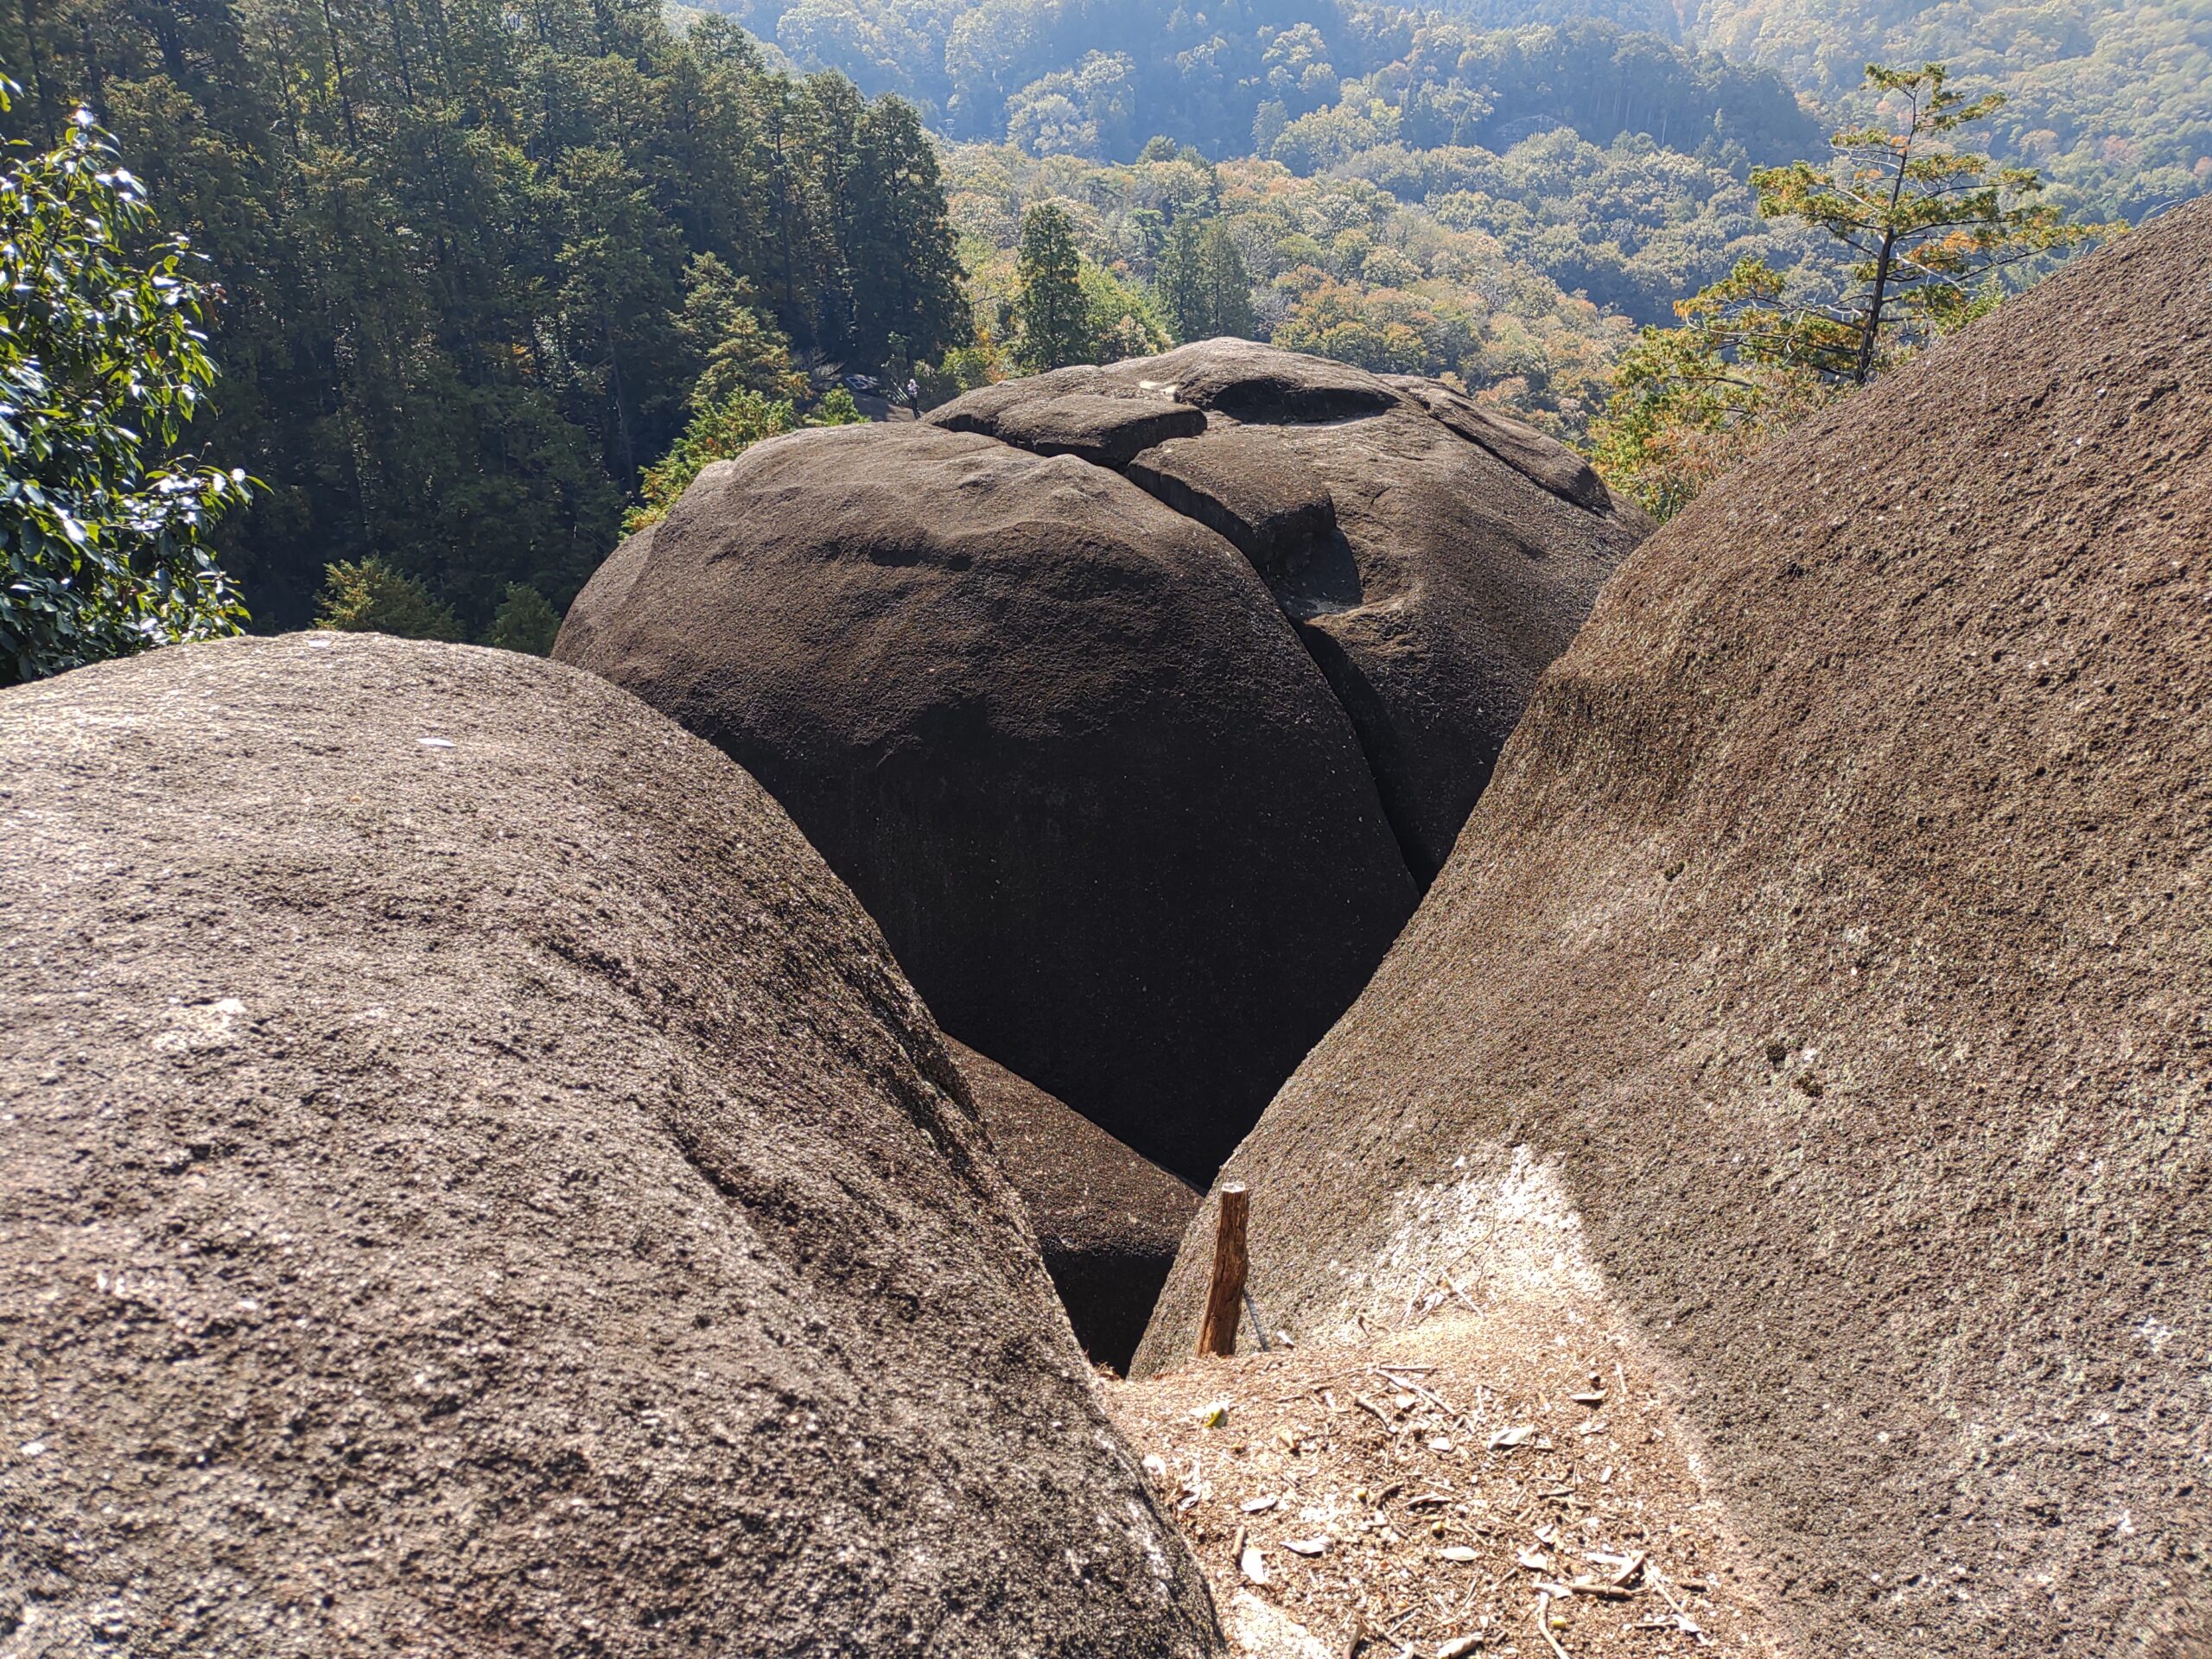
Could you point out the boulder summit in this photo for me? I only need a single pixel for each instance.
(1137, 703)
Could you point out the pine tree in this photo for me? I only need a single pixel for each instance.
(1225, 282)
(1926, 226)
(721, 431)
(736, 348)
(1925, 232)
(369, 596)
(1049, 304)
(525, 622)
(906, 275)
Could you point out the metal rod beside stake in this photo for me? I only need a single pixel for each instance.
(1225, 1294)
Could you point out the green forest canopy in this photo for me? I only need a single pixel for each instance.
(1341, 267)
(1594, 148)
(457, 244)
(472, 255)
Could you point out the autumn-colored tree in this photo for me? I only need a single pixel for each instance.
(1331, 318)
(1682, 412)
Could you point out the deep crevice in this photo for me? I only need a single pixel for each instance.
(1372, 730)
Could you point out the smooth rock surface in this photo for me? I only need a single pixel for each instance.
(1109, 430)
(1243, 482)
(1060, 739)
(477, 1184)
(1433, 554)
(1829, 967)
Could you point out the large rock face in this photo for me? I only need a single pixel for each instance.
(476, 1185)
(1108, 1221)
(1831, 958)
(1136, 704)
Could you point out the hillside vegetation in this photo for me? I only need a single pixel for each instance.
(2108, 99)
(1304, 80)
(1339, 266)
(472, 270)
(1499, 206)
(472, 262)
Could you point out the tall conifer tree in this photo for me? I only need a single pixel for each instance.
(1225, 282)
(1049, 303)
(1180, 284)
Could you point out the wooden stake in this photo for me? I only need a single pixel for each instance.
(1225, 1294)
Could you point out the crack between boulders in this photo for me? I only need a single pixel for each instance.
(1400, 835)
(1401, 832)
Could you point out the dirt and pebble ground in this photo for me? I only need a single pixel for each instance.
(1464, 1486)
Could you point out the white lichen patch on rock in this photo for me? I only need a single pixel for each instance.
(1501, 1225)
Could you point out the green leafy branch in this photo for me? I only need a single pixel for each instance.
(103, 364)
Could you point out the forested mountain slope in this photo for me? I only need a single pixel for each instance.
(1099, 79)
(473, 258)
(1530, 265)
(2107, 97)
(1491, 204)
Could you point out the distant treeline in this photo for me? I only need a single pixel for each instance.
(2108, 99)
(1097, 77)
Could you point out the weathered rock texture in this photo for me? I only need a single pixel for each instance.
(1831, 957)
(1107, 1220)
(476, 1185)
(1136, 704)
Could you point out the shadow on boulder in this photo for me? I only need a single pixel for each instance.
(1136, 704)
(1107, 1220)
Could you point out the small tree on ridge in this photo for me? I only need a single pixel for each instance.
(1926, 230)
(1929, 226)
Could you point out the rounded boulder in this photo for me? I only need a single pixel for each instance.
(478, 1185)
(1824, 983)
(1137, 703)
